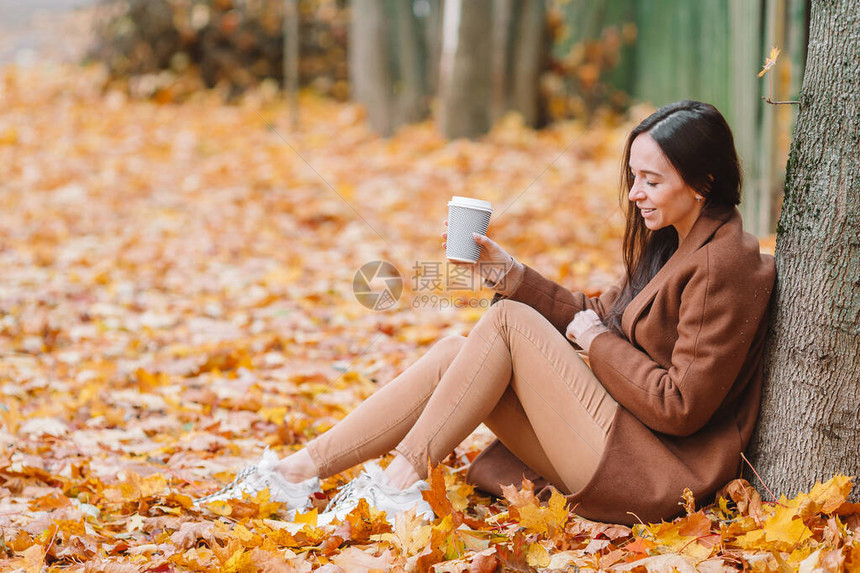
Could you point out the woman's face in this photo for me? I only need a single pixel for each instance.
(658, 190)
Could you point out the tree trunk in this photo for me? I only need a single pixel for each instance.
(433, 41)
(369, 66)
(810, 422)
(503, 14)
(412, 86)
(464, 70)
(527, 61)
(291, 59)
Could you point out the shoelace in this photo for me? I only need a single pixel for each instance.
(346, 492)
(240, 477)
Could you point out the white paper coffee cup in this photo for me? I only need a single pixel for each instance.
(466, 216)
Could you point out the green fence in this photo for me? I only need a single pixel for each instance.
(711, 50)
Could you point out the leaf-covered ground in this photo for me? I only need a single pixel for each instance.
(177, 294)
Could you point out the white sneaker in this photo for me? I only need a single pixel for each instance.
(261, 475)
(373, 486)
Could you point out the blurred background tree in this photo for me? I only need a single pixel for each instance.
(467, 63)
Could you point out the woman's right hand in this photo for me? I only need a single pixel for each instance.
(493, 262)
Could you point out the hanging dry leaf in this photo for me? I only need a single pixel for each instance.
(770, 61)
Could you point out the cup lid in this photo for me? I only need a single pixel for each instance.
(471, 203)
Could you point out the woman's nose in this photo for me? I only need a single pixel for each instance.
(636, 193)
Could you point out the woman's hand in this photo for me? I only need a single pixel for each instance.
(493, 263)
(584, 327)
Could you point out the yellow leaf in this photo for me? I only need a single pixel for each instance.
(751, 539)
(770, 61)
(688, 536)
(268, 508)
(310, 517)
(826, 497)
(537, 555)
(689, 501)
(239, 562)
(220, 507)
(122, 492)
(9, 136)
(783, 526)
(152, 485)
(799, 554)
(538, 519)
(273, 415)
(446, 525)
(262, 496)
(411, 535)
(242, 533)
(458, 492)
(147, 381)
(558, 506)
(724, 506)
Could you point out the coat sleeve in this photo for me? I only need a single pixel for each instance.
(555, 302)
(719, 315)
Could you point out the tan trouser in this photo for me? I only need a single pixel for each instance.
(515, 372)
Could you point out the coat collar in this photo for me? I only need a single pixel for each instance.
(703, 229)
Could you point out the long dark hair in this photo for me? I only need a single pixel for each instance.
(698, 142)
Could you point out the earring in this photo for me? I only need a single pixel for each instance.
(699, 198)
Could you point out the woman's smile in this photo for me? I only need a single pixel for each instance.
(656, 181)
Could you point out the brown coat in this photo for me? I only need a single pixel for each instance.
(686, 375)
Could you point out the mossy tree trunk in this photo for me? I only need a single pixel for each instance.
(810, 423)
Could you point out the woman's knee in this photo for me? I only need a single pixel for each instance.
(506, 311)
(449, 346)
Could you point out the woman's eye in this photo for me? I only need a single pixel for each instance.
(651, 183)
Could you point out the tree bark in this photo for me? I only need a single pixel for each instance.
(291, 59)
(527, 61)
(503, 13)
(433, 41)
(369, 66)
(412, 92)
(809, 427)
(464, 71)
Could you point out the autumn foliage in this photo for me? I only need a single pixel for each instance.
(176, 295)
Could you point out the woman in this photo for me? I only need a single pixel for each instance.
(673, 391)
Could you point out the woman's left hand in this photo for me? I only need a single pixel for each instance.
(584, 327)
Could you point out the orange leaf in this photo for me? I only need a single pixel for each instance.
(54, 500)
(437, 495)
(520, 498)
(640, 547)
(33, 559)
(484, 563)
(695, 525)
(745, 496)
(848, 508)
